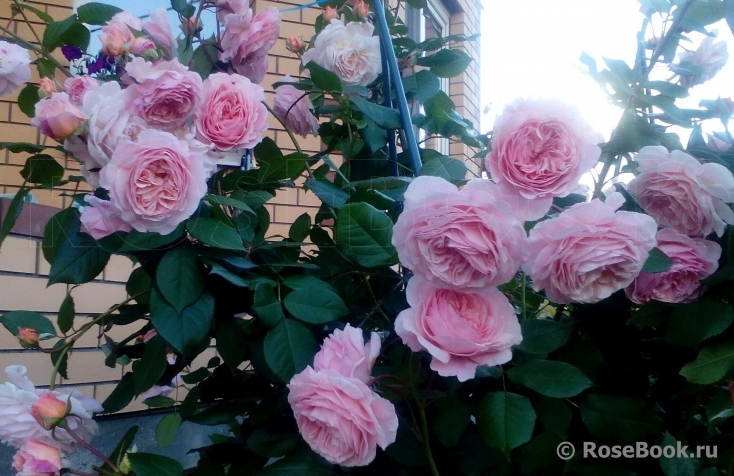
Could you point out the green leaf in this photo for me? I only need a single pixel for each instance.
(121, 448)
(229, 202)
(446, 63)
(186, 330)
(10, 216)
(78, 261)
(77, 35)
(167, 430)
(273, 169)
(711, 365)
(549, 378)
(40, 14)
(66, 314)
(27, 100)
(505, 420)
(554, 414)
(619, 419)
(216, 233)
(14, 321)
(54, 31)
(302, 464)
(632, 134)
(271, 443)
(95, 13)
(17, 147)
(300, 228)
(151, 366)
(315, 307)
(657, 262)
(267, 306)
(289, 347)
(653, 313)
(365, 234)
(729, 13)
(229, 337)
(159, 402)
(202, 60)
(323, 78)
(138, 241)
(445, 167)
(179, 5)
(453, 417)
(148, 464)
(46, 68)
(327, 192)
(179, 278)
(385, 117)
(56, 355)
(422, 85)
(693, 323)
(139, 282)
(542, 336)
(121, 396)
(675, 466)
(42, 169)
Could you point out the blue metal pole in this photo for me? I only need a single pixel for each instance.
(392, 151)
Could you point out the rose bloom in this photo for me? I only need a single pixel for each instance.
(225, 7)
(46, 87)
(330, 14)
(100, 219)
(350, 52)
(460, 330)
(78, 86)
(109, 121)
(156, 182)
(57, 117)
(694, 259)
(141, 46)
(14, 68)
(541, 148)
(48, 410)
(588, 251)
(17, 425)
(166, 93)
(458, 239)
(116, 36)
(159, 28)
(246, 41)
(341, 418)
(711, 56)
(295, 109)
(345, 352)
(89, 165)
(232, 115)
(37, 459)
(681, 193)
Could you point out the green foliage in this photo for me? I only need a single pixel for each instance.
(364, 234)
(505, 420)
(657, 262)
(619, 419)
(27, 99)
(14, 321)
(95, 13)
(186, 329)
(289, 347)
(167, 430)
(446, 63)
(147, 464)
(549, 378)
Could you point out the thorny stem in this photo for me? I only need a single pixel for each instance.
(22, 12)
(424, 435)
(93, 450)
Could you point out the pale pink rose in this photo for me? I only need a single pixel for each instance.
(225, 7)
(156, 182)
(46, 87)
(681, 193)
(330, 14)
(100, 219)
(541, 148)
(57, 117)
(459, 239)
(116, 36)
(461, 331)
(232, 115)
(341, 418)
(49, 410)
(588, 252)
(89, 165)
(694, 259)
(294, 45)
(78, 86)
(14, 68)
(159, 28)
(18, 425)
(709, 55)
(166, 93)
(295, 108)
(345, 352)
(35, 458)
(141, 46)
(247, 40)
(109, 122)
(350, 52)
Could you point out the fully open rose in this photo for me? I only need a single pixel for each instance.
(345, 352)
(247, 39)
(14, 68)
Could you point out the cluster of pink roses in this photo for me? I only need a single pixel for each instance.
(42, 424)
(338, 414)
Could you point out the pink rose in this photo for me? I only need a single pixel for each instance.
(247, 40)
(710, 56)
(350, 52)
(78, 86)
(588, 251)
(57, 117)
(295, 108)
(232, 115)
(166, 93)
(459, 239)
(141, 46)
(345, 352)
(294, 45)
(160, 30)
(225, 7)
(541, 148)
(116, 36)
(37, 459)
(46, 88)
(330, 14)
(100, 219)
(681, 193)
(14, 68)
(694, 259)
(340, 418)
(156, 182)
(461, 331)
(89, 166)
(361, 9)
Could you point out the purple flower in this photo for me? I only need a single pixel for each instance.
(72, 53)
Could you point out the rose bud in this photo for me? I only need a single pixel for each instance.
(294, 44)
(191, 26)
(329, 14)
(141, 46)
(49, 411)
(57, 117)
(361, 9)
(28, 337)
(46, 88)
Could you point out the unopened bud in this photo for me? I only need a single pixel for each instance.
(49, 411)
(361, 9)
(46, 88)
(191, 26)
(329, 14)
(294, 44)
(28, 337)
